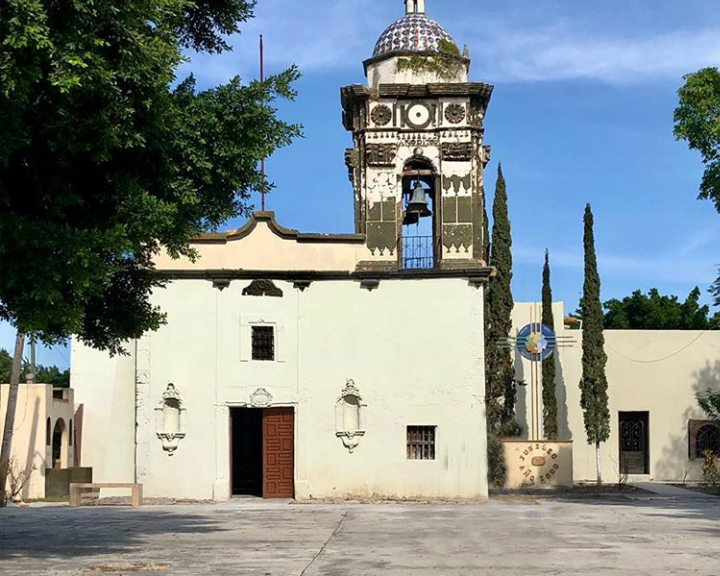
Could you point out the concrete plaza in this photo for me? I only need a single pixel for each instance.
(635, 534)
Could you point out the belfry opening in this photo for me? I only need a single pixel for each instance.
(419, 243)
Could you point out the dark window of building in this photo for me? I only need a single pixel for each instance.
(263, 343)
(421, 442)
(708, 438)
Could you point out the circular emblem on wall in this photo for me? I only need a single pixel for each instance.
(536, 342)
(418, 116)
(381, 115)
(455, 113)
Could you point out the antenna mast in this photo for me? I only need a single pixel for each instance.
(262, 162)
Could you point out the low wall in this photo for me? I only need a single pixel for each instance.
(538, 464)
(57, 482)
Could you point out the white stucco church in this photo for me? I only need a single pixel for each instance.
(298, 365)
(324, 365)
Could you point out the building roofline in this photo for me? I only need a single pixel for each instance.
(280, 231)
(480, 274)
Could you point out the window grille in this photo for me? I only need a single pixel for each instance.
(708, 438)
(263, 343)
(421, 442)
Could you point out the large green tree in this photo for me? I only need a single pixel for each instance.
(550, 407)
(106, 158)
(593, 385)
(500, 372)
(697, 121)
(657, 312)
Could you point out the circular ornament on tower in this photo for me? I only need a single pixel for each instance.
(381, 115)
(455, 113)
(418, 116)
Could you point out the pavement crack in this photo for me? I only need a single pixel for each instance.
(324, 546)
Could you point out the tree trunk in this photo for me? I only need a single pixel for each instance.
(10, 416)
(597, 463)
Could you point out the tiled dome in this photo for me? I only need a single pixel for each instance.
(414, 33)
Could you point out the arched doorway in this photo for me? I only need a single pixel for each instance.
(59, 447)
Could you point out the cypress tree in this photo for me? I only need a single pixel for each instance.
(593, 386)
(500, 372)
(550, 410)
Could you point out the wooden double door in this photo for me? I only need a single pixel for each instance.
(263, 452)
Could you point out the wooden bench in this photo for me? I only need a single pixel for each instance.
(76, 488)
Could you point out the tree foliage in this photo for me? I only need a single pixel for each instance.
(593, 385)
(697, 121)
(497, 467)
(709, 402)
(657, 312)
(550, 407)
(500, 373)
(446, 63)
(106, 158)
(715, 291)
(43, 374)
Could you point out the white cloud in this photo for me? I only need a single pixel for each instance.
(563, 52)
(338, 35)
(668, 266)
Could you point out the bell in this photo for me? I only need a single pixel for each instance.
(418, 203)
(410, 218)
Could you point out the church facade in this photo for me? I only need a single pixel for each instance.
(299, 365)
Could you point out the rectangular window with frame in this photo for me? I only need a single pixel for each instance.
(421, 442)
(263, 343)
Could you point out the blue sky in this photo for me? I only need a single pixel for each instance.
(582, 112)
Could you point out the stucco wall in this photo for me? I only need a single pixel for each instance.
(648, 371)
(413, 347)
(386, 72)
(106, 387)
(266, 249)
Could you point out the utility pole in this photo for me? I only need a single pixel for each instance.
(32, 354)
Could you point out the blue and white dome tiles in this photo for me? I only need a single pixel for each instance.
(412, 33)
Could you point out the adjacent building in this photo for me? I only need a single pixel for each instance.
(657, 429)
(43, 436)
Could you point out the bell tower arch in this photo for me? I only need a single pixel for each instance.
(418, 159)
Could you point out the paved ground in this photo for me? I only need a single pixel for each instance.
(638, 535)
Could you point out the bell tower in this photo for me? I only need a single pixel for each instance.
(418, 158)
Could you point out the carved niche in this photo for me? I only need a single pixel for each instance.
(349, 416)
(169, 419)
(455, 113)
(457, 151)
(263, 288)
(381, 154)
(381, 115)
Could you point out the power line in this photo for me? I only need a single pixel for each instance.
(663, 358)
